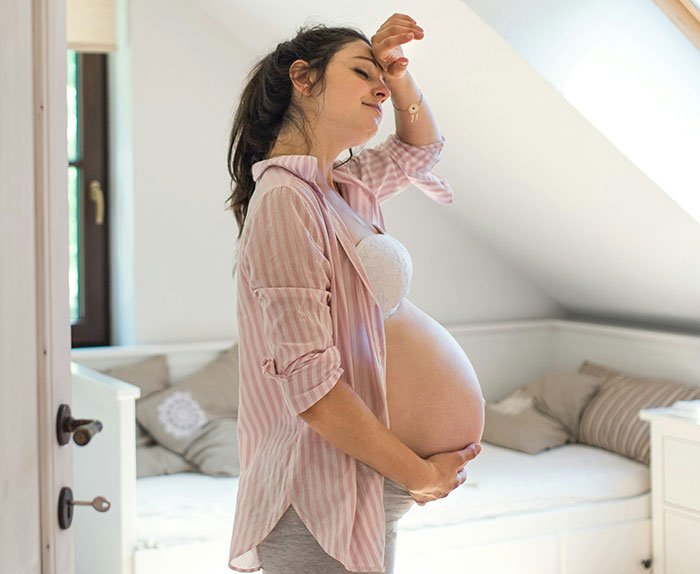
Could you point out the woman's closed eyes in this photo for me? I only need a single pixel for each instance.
(365, 74)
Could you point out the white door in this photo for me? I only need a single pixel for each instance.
(34, 297)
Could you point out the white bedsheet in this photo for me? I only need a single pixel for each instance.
(186, 507)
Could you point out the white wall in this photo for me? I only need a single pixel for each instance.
(456, 278)
(182, 65)
(174, 81)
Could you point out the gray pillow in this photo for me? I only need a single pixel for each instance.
(177, 416)
(155, 460)
(150, 375)
(564, 396)
(515, 422)
(215, 450)
(611, 420)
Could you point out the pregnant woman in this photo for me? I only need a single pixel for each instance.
(354, 404)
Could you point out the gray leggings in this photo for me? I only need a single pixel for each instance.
(291, 549)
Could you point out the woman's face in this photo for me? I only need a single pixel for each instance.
(355, 88)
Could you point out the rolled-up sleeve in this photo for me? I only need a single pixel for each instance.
(390, 167)
(290, 276)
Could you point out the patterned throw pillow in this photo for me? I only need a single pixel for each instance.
(611, 420)
(150, 375)
(183, 416)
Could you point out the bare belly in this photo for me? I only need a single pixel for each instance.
(434, 397)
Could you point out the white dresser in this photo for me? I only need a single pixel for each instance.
(675, 487)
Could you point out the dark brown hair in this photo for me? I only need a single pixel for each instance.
(266, 105)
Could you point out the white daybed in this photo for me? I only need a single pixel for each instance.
(571, 509)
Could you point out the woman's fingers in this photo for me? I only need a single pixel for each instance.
(400, 18)
(386, 43)
(398, 24)
(398, 28)
(383, 47)
(397, 32)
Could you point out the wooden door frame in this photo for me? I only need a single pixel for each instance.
(53, 332)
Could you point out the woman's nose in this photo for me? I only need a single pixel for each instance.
(383, 91)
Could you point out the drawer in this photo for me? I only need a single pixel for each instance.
(682, 533)
(682, 472)
(619, 548)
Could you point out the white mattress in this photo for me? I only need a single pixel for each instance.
(184, 508)
(503, 481)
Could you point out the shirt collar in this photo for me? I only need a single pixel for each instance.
(303, 166)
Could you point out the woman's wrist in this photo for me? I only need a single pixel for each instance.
(404, 92)
(415, 123)
(422, 476)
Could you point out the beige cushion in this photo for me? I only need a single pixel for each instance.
(598, 370)
(611, 421)
(215, 450)
(150, 375)
(516, 423)
(564, 396)
(155, 459)
(177, 417)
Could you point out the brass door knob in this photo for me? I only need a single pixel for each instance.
(82, 429)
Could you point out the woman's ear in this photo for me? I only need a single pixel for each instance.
(301, 77)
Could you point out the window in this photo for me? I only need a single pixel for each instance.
(686, 15)
(86, 91)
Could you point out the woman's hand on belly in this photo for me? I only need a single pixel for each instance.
(449, 471)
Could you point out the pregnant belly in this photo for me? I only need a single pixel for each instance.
(433, 394)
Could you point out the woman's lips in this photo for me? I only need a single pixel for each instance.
(375, 108)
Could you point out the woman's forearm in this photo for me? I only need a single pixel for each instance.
(345, 420)
(424, 129)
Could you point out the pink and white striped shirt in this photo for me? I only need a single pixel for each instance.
(307, 315)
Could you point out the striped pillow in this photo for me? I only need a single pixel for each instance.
(610, 420)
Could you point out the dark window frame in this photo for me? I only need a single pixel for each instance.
(93, 326)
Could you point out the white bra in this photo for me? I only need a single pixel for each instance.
(389, 269)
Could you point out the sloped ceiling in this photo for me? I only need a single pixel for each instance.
(533, 178)
(626, 67)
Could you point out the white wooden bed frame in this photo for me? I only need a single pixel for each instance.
(608, 537)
